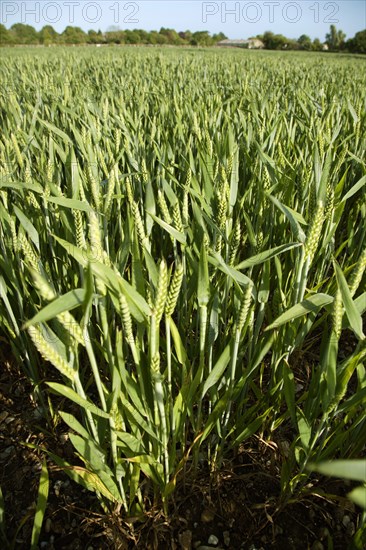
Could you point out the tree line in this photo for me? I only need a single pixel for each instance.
(21, 34)
(26, 34)
(335, 41)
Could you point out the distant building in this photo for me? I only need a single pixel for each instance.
(250, 44)
(255, 44)
(325, 47)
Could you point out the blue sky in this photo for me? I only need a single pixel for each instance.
(237, 19)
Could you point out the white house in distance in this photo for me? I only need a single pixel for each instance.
(250, 43)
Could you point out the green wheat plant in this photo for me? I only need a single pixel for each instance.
(173, 239)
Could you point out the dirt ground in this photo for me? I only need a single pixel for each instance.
(238, 508)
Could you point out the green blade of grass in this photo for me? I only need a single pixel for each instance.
(348, 469)
(41, 505)
(353, 315)
(312, 303)
(67, 302)
(73, 396)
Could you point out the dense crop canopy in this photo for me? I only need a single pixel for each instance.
(178, 229)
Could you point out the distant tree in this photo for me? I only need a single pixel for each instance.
(24, 34)
(156, 38)
(172, 36)
(275, 41)
(218, 37)
(335, 38)
(290, 44)
(186, 36)
(267, 39)
(73, 35)
(93, 37)
(162, 38)
(304, 42)
(5, 36)
(317, 46)
(201, 38)
(115, 37)
(47, 35)
(357, 44)
(132, 37)
(144, 36)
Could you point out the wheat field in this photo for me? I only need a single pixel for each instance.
(183, 238)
